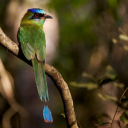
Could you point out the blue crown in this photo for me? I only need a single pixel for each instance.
(36, 10)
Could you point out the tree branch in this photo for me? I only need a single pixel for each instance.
(53, 74)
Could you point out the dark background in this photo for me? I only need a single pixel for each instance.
(83, 43)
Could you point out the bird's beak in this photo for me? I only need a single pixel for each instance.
(47, 16)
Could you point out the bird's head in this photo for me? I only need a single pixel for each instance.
(35, 16)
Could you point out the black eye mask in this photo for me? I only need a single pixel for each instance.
(37, 16)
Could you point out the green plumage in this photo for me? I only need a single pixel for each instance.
(40, 82)
(33, 45)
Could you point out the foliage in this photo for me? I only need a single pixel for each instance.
(86, 57)
(124, 119)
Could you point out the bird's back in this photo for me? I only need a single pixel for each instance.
(32, 40)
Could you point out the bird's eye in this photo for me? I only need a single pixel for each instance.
(42, 15)
(36, 15)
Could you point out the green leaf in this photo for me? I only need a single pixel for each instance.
(107, 97)
(123, 119)
(123, 37)
(63, 115)
(114, 41)
(110, 72)
(113, 3)
(86, 75)
(125, 47)
(89, 85)
(119, 85)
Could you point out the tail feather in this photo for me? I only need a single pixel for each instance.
(40, 78)
(47, 115)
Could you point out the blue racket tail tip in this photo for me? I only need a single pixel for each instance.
(47, 115)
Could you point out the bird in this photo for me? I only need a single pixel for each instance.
(31, 38)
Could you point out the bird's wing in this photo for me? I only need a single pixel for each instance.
(28, 50)
(32, 41)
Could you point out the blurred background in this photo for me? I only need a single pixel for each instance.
(87, 43)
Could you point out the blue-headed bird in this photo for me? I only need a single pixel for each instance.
(31, 38)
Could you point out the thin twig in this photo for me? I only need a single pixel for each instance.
(123, 93)
(53, 74)
(118, 106)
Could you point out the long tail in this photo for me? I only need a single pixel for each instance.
(47, 115)
(40, 78)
